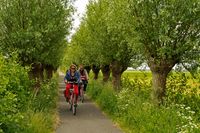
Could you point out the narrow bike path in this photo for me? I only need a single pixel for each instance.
(89, 119)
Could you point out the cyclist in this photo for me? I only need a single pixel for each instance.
(72, 78)
(83, 76)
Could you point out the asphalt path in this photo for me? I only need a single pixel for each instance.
(88, 119)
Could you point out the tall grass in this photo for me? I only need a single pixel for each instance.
(42, 112)
(21, 111)
(133, 110)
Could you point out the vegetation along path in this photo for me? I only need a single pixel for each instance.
(89, 119)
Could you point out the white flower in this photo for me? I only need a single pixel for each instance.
(179, 114)
(188, 108)
(189, 118)
(192, 112)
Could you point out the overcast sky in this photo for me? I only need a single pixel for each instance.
(80, 5)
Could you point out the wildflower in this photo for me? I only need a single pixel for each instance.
(192, 112)
(188, 108)
(189, 118)
(179, 114)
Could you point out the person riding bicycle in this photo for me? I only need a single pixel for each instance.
(72, 79)
(83, 76)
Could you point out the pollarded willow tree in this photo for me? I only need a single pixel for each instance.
(36, 29)
(167, 31)
(110, 36)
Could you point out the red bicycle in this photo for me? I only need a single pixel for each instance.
(72, 98)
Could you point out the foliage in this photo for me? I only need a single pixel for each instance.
(14, 94)
(38, 122)
(107, 99)
(133, 110)
(46, 99)
(41, 116)
(94, 93)
(167, 28)
(100, 40)
(21, 112)
(82, 48)
(28, 28)
(183, 89)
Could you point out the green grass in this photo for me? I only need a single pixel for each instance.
(133, 110)
(39, 122)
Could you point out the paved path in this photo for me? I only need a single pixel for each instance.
(89, 119)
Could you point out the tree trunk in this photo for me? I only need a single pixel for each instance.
(105, 69)
(117, 70)
(116, 80)
(159, 86)
(95, 70)
(88, 68)
(36, 74)
(159, 76)
(49, 71)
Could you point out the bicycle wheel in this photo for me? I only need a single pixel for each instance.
(71, 102)
(82, 97)
(82, 93)
(74, 105)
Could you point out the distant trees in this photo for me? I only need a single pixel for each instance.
(162, 33)
(106, 44)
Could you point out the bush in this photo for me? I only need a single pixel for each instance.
(182, 89)
(21, 111)
(47, 96)
(41, 116)
(14, 94)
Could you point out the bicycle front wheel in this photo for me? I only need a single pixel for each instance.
(74, 105)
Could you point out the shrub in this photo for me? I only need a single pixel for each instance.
(182, 89)
(14, 94)
(21, 111)
(47, 96)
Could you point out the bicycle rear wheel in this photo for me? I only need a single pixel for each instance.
(82, 93)
(82, 97)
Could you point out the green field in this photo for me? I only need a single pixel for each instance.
(137, 74)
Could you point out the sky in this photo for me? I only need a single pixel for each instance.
(80, 6)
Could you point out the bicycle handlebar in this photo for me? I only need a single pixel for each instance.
(72, 82)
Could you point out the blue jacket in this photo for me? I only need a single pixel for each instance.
(75, 78)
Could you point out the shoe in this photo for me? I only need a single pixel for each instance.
(67, 99)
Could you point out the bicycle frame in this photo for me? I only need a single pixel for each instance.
(72, 100)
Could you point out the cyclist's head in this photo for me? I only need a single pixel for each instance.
(73, 67)
(81, 66)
